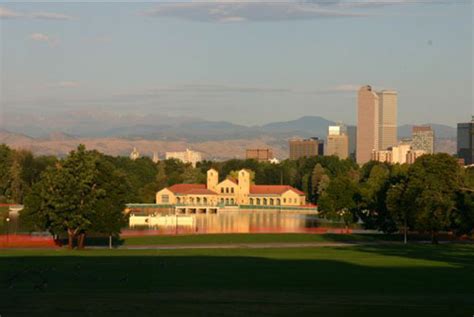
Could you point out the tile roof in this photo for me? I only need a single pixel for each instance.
(184, 188)
(272, 189)
(200, 191)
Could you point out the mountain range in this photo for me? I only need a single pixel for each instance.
(159, 133)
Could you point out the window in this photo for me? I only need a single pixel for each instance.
(232, 190)
(271, 201)
(222, 190)
(165, 199)
(204, 200)
(227, 190)
(258, 201)
(284, 200)
(264, 201)
(251, 201)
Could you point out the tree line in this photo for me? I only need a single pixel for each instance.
(87, 190)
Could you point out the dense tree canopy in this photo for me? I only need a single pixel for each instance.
(434, 194)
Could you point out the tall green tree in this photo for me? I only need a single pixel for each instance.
(65, 200)
(433, 181)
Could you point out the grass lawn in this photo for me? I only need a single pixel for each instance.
(246, 238)
(385, 280)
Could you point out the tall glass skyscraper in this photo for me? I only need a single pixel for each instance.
(466, 141)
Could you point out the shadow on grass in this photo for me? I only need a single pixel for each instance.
(188, 284)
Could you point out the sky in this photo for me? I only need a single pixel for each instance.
(245, 62)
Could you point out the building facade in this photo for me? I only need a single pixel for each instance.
(230, 192)
(400, 154)
(260, 155)
(423, 139)
(465, 142)
(376, 122)
(134, 155)
(337, 142)
(187, 156)
(388, 129)
(306, 148)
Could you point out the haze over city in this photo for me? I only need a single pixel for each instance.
(243, 62)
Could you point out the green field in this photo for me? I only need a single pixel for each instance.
(253, 238)
(389, 280)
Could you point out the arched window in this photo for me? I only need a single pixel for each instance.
(227, 190)
(227, 201)
(258, 201)
(178, 200)
(198, 200)
(264, 201)
(278, 201)
(251, 201)
(271, 201)
(222, 190)
(232, 201)
(204, 200)
(232, 190)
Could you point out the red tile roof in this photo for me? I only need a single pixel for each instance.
(200, 191)
(272, 189)
(184, 188)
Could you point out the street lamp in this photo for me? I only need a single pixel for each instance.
(8, 229)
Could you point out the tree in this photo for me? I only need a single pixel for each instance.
(338, 201)
(433, 181)
(65, 200)
(109, 217)
(399, 206)
(317, 176)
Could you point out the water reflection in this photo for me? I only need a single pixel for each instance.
(226, 222)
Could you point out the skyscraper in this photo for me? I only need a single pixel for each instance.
(466, 142)
(261, 155)
(376, 122)
(388, 135)
(338, 142)
(423, 139)
(367, 124)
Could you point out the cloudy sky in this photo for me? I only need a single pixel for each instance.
(241, 61)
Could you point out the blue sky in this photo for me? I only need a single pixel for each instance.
(244, 62)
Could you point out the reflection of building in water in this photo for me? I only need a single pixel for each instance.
(230, 192)
(232, 222)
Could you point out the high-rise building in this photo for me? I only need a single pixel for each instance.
(306, 148)
(337, 142)
(261, 155)
(423, 139)
(187, 156)
(465, 146)
(367, 124)
(388, 135)
(376, 122)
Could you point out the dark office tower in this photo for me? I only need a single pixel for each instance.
(466, 141)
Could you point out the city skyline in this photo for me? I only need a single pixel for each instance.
(199, 60)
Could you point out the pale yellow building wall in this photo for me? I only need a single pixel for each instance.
(244, 187)
(290, 198)
(212, 179)
(161, 197)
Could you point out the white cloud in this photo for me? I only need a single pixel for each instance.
(6, 13)
(225, 11)
(40, 37)
(264, 10)
(50, 16)
(65, 84)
